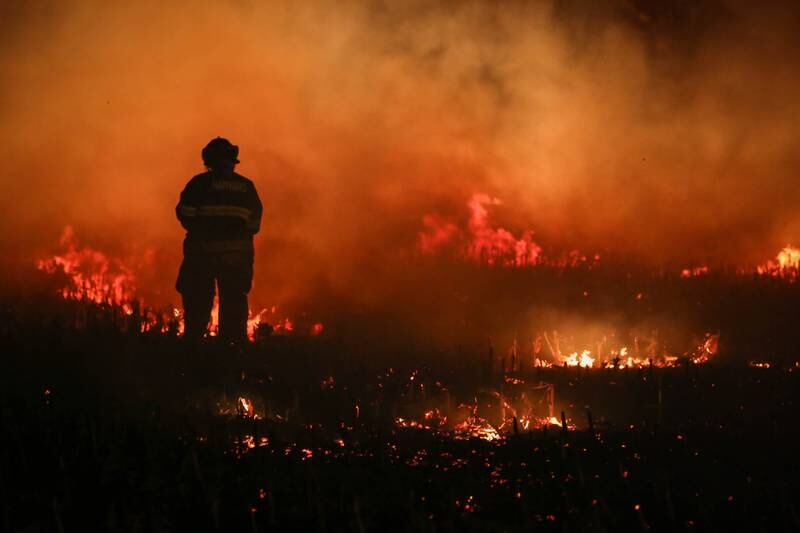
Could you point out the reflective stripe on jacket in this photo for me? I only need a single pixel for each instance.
(220, 212)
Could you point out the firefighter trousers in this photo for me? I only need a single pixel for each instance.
(233, 274)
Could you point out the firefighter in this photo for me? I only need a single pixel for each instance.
(221, 211)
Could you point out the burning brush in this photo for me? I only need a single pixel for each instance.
(92, 277)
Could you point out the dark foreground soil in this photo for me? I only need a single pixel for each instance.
(103, 430)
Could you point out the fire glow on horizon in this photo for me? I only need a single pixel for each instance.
(625, 127)
(91, 276)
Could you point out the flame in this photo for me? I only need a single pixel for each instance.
(482, 243)
(213, 326)
(785, 265)
(647, 352)
(244, 407)
(253, 322)
(438, 232)
(92, 276)
(285, 325)
(707, 349)
(553, 421)
(584, 360)
(789, 257)
(497, 245)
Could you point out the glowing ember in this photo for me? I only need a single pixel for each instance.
(284, 325)
(404, 423)
(508, 411)
(789, 257)
(476, 428)
(694, 272)
(246, 443)
(468, 505)
(433, 419)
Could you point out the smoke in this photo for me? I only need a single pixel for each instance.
(663, 130)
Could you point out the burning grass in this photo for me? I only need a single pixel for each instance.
(589, 423)
(92, 277)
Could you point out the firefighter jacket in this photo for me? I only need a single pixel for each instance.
(220, 212)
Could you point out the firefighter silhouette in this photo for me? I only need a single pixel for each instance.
(221, 211)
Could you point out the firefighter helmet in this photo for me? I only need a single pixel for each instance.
(220, 150)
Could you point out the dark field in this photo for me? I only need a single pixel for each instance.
(108, 430)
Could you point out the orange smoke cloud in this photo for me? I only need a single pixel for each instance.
(657, 131)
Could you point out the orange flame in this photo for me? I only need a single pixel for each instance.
(785, 265)
(92, 275)
(483, 243)
(584, 360)
(497, 245)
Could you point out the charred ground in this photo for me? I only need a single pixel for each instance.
(105, 426)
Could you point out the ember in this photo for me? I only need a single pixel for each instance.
(694, 272)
